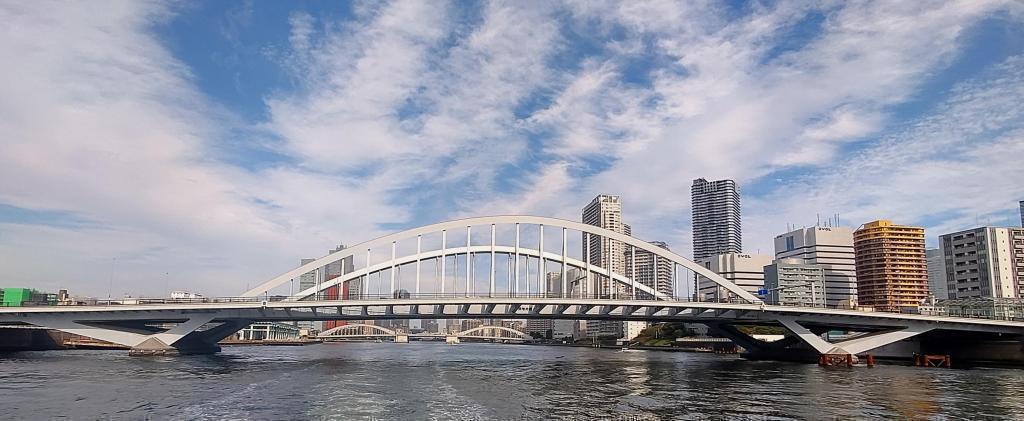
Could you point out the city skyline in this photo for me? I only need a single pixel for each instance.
(211, 146)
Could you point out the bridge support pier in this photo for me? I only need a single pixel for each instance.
(148, 338)
(156, 347)
(805, 345)
(790, 348)
(193, 343)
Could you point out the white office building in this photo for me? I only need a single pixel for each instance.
(745, 270)
(984, 262)
(832, 249)
(794, 282)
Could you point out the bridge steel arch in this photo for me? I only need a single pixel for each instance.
(383, 331)
(472, 250)
(468, 223)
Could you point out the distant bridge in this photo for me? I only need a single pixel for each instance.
(368, 331)
(518, 283)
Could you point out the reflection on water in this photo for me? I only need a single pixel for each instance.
(482, 381)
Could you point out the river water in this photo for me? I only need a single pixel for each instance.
(485, 381)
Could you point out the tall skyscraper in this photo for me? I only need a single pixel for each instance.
(716, 218)
(832, 249)
(937, 286)
(651, 271)
(1022, 213)
(984, 262)
(891, 269)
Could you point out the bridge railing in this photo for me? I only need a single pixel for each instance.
(383, 297)
(1013, 313)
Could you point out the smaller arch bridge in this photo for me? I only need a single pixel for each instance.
(358, 330)
(492, 332)
(368, 331)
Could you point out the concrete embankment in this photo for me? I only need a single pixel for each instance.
(19, 339)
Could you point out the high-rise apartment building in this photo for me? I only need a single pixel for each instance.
(716, 218)
(891, 269)
(745, 270)
(984, 262)
(651, 271)
(936, 274)
(604, 211)
(832, 249)
(795, 282)
(539, 326)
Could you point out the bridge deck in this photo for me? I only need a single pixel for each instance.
(504, 307)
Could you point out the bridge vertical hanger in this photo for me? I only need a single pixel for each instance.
(469, 256)
(444, 245)
(394, 252)
(675, 279)
(490, 292)
(632, 264)
(366, 282)
(611, 277)
(516, 250)
(656, 276)
(317, 276)
(540, 265)
(586, 261)
(419, 251)
(565, 280)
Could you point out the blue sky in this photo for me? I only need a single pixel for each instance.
(216, 143)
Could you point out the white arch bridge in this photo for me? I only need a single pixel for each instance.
(368, 331)
(497, 267)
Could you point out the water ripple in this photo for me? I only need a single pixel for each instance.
(481, 381)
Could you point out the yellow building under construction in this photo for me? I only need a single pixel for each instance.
(891, 270)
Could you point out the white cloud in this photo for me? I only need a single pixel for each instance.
(735, 112)
(102, 122)
(954, 169)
